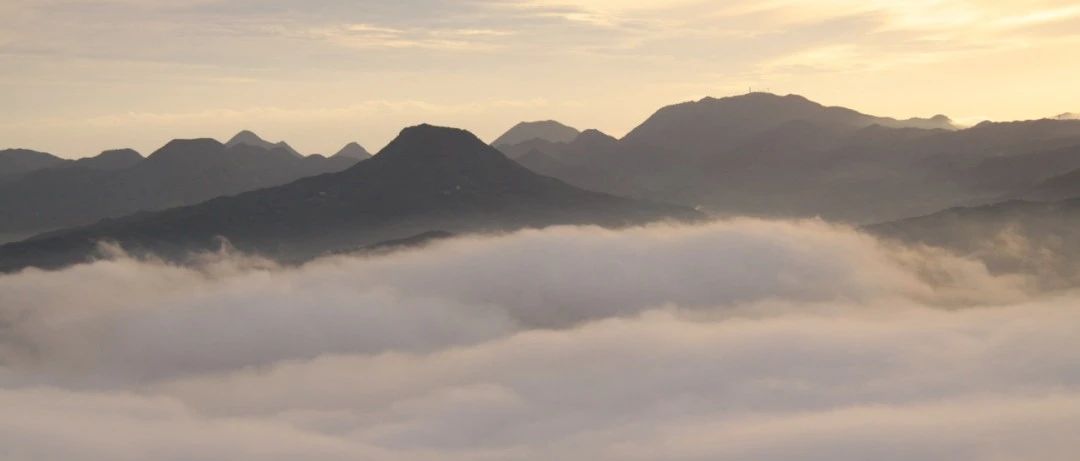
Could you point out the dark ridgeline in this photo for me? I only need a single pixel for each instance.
(354, 151)
(756, 154)
(786, 156)
(115, 159)
(17, 162)
(429, 179)
(547, 130)
(118, 183)
(581, 162)
(246, 137)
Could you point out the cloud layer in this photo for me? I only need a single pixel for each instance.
(740, 339)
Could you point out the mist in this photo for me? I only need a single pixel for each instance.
(737, 339)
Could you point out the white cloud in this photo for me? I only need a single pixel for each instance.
(740, 339)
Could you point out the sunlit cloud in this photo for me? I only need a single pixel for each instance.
(93, 57)
(741, 339)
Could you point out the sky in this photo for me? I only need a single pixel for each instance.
(81, 76)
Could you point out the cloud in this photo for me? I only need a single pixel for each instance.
(95, 59)
(740, 339)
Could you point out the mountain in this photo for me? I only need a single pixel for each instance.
(251, 139)
(354, 151)
(1009, 237)
(1060, 187)
(573, 161)
(1068, 116)
(692, 126)
(1036, 176)
(183, 172)
(585, 144)
(548, 130)
(786, 156)
(429, 179)
(17, 162)
(115, 159)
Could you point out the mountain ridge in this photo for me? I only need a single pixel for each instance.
(428, 179)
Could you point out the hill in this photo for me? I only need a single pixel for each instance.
(429, 179)
(548, 130)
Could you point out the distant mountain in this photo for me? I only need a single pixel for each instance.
(429, 179)
(116, 159)
(354, 151)
(1060, 187)
(1068, 116)
(573, 161)
(583, 145)
(17, 162)
(183, 172)
(1032, 175)
(251, 139)
(786, 156)
(1013, 236)
(548, 130)
(693, 126)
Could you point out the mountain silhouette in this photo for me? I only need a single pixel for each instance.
(578, 162)
(354, 151)
(183, 172)
(692, 126)
(115, 159)
(786, 156)
(1014, 236)
(548, 130)
(429, 179)
(17, 162)
(251, 139)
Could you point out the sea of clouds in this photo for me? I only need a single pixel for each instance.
(735, 340)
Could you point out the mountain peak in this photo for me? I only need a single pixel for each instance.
(246, 137)
(112, 159)
(592, 134)
(548, 130)
(127, 154)
(353, 150)
(435, 142)
(184, 148)
(249, 138)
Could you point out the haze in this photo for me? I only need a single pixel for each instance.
(77, 77)
(520, 230)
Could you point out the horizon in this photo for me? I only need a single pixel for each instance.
(320, 74)
(489, 138)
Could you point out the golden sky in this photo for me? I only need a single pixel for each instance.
(79, 76)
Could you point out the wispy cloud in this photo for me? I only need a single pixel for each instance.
(589, 52)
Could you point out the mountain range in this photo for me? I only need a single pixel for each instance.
(429, 179)
(1014, 236)
(15, 163)
(248, 138)
(786, 156)
(117, 183)
(755, 154)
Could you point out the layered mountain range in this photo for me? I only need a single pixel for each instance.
(786, 156)
(756, 154)
(429, 179)
(51, 193)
